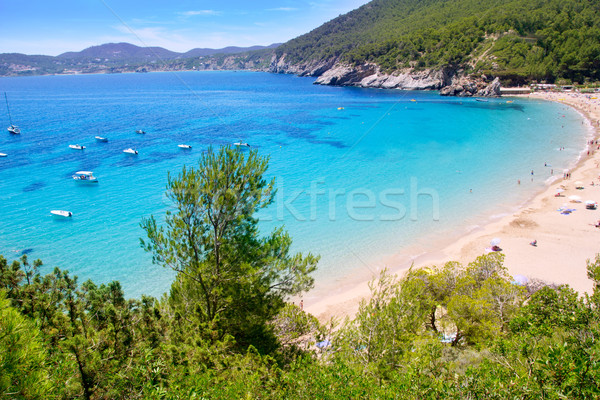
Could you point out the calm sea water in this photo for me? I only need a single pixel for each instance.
(361, 173)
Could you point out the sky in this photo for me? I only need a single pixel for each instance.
(52, 27)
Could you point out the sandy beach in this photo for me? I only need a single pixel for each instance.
(565, 239)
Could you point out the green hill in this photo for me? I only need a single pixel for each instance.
(516, 40)
(418, 43)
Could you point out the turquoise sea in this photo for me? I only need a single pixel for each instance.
(362, 174)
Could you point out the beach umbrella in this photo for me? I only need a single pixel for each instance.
(559, 190)
(590, 202)
(575, 198)
(520, 280)
(495, 242)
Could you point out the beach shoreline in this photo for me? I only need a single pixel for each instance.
(564, 241)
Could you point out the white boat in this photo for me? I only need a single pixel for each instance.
(3, 154)
(61, 213)
(184, 146)
(76, 147)
(12, 129)
(101, 139)
(141, 132)
(130, 151)
(85, 176)
(240, 143)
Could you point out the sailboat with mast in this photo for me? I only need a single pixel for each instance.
(13, 129)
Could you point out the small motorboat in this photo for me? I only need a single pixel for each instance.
(240, 143)
(3, 154)
(481, 100)
(61, 213)
(184, 146)
(76, 147)
(130, 151)
(85, 176)
(101, 139)
(139, 131)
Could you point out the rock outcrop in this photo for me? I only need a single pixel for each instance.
(312, 68)
(449, 82)
(491, 90)
(369, 75)
(466, 87)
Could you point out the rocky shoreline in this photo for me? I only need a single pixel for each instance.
(449, 82)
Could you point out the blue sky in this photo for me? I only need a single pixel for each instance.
(53, 27)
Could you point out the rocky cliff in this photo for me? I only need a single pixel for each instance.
(448, 81)
(466, 87)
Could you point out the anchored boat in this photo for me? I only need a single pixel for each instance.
(85, 176)
(61, 213)
(130, 151)
(12, 129)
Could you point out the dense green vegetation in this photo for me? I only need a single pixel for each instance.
(514, 39)
(225, 330)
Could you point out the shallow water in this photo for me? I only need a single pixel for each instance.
(361, 173)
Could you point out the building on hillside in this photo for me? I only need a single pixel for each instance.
(514, 90)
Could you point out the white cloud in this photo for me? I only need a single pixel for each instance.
(283, 9)
(199, 12)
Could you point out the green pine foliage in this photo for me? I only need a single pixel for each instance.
(513, 39)
(444, 332)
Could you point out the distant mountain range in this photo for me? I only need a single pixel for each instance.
(127, 51)
(125, 57)
(463, 45)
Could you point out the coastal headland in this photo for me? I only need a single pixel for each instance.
(564, 240)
